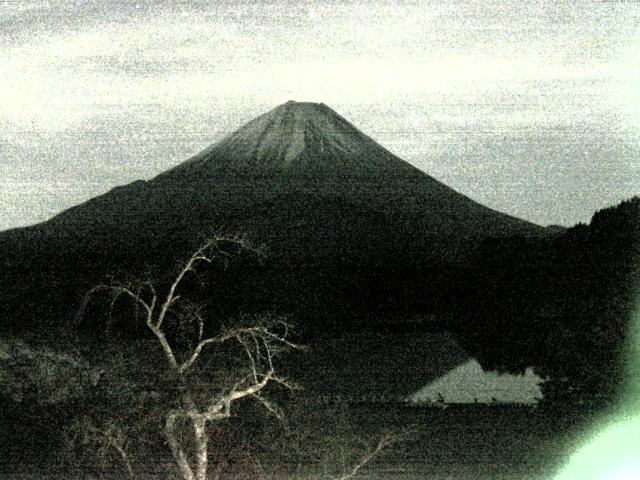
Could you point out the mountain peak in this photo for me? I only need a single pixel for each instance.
(292, 131)
(296, 136)
(294, 104)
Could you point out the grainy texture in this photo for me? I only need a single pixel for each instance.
(477, 119)
(527, 107)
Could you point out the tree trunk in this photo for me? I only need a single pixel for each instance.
(176, 450)
(200, 428)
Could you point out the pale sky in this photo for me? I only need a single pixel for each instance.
(532, 108)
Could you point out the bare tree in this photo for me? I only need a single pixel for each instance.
(260, 341)
(348, 471)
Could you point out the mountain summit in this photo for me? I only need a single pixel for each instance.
(296, 137)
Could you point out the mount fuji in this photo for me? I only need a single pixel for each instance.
(338, 213)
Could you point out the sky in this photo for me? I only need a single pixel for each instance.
(531, 108)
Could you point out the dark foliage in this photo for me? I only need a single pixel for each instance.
(562, 303)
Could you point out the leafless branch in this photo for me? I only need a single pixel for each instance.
(270, 406)
(254, 369)
(184, 366)
(269, 339)
(197, 257)
(384, 442)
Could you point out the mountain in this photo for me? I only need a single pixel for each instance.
(342, 218)
(302, 165)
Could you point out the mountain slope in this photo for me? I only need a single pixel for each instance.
(300, 150)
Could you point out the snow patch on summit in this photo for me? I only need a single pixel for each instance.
(293, 128)
(299, 136)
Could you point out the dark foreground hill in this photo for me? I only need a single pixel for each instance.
(567, 304)
(350, 229)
